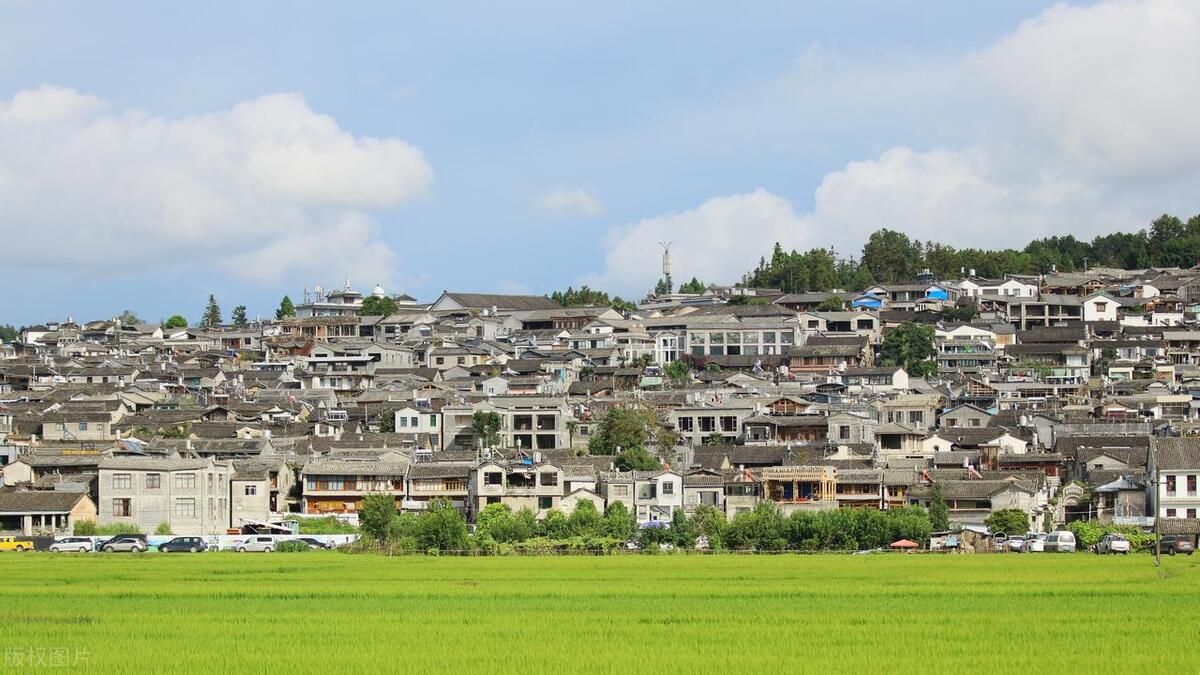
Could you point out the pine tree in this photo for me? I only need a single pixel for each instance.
(239, 316)
(286, 308)
(212, 313)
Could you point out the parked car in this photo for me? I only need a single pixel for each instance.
(131, 543)
(1062, 541)
(1173, 543)
(1015, 543)
(256, 545)
(314, 543)
(1035, 543)
(73, 544)
(1113, 543)
(183, 545)
(17, 544)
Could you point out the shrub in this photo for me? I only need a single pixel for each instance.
(163, 529)
(325, 525)
(376, 516)
(292, 546)
(113, 529)
(84, 528)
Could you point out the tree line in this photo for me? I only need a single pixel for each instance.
(889, 256)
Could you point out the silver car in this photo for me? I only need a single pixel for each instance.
(256, 545)
(73, 545)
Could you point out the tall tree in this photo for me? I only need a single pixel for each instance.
(128, 318)
(939, 512)
(286, 308)
(176, 321)
(8, 333)
(910, 346)
(891, 256)
(239, 316)
(376, 306)
(694, 287)
(212, 313)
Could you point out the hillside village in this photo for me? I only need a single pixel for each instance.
(1067, 396)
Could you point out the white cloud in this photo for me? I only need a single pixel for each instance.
(268, 189)
(1112, 85)
(570, 203)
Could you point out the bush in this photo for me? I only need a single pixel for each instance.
(163, 529)
(84, 528)
(376, 516)
(1088, 533)
(292, 546)
(325, 525)
(113, 529)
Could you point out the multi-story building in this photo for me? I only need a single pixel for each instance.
(1175, 466)
(339, 485)
(191, 496)
(699, 425)
(519, 483)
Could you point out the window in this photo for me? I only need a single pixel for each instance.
(212, 508)
(1170, 513)
(548, 478)
(185, 508)
(440, 361)
(122, 507)
(916, 417)
(707, 424)
(728, 423)
(619, 490)
(545, 502)
(1191, 513)
(461, 360)
(403, 422)
(153, 481)
(83, 426)
(1170, 485)
(433, 421)
(493, 478)
(685, 424)
(122, 481)
(251, 490)
(974, 421)
(415, 422)
(951, 422)
(210, 482)
(185, 481)
(844, 432)
(668, 488)
(1191, 486)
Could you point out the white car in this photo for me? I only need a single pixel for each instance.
(256, 545)
(1035, 543)
(73, 545)
(1015, 543)
(1113, 543)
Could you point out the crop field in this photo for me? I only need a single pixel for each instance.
(332, 612)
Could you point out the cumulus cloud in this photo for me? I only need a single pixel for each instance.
(267, 189)
(570, 203)
(1112, 85)
(1084, 126)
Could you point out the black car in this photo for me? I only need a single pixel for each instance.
(313, 543)
(132, 543)
(183, 545)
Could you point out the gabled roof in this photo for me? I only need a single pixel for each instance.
(1177, 453)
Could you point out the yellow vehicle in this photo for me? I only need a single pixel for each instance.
(15, 544)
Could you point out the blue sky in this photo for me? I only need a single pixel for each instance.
(533, 146)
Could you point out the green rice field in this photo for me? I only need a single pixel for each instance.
(332, 612)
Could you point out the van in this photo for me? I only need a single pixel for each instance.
(1062, 541)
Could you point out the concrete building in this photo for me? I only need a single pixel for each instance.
(190, 495)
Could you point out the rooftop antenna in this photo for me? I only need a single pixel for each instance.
(666, 262)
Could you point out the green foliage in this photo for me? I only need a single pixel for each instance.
(683, 531)
(239, 316)
(286, 308)
(1012, 522)
(376, 515)
(292, 546)
(387, 421)
(663, 287)
(939, 512)
(503, 526)
(440, 527)
(636, 458)
(710, 522)
(910, 346)
(84, 528)
(814, 270)
(619, 522)
(693, 287)
(163, 529)
(760, 530)
(623, 427)
(376, 306)
(486, 426)
(212, 313)
(678, 371)
(1088, 533)
(325, 525)
(128, 318)
(555, 525)
(766, 529)
(584, 297)
(113, 529)
(584, 520)
(176, 321)
(831, 304)
(8, 333)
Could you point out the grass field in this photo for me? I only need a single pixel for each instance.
(332, 612)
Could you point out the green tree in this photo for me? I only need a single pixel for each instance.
(376, 516)
(663, 287)
(619, 522)
(1009, 521)
(486, 426)
(693, 287)
(910, 346)
(623, 427)
(710, 523)
(387, 421)
(128, 318)
(441, 527)
(176, 321)
(831, 304)
(939, 512)
(239, 316)
(376, 306)
(286, 308)
(623, 305)
(683, 531)
(891, 256)
(584, 297)
(637, 458)
(212, 313)
(585, 520)
(8, 333)
(678, 372)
